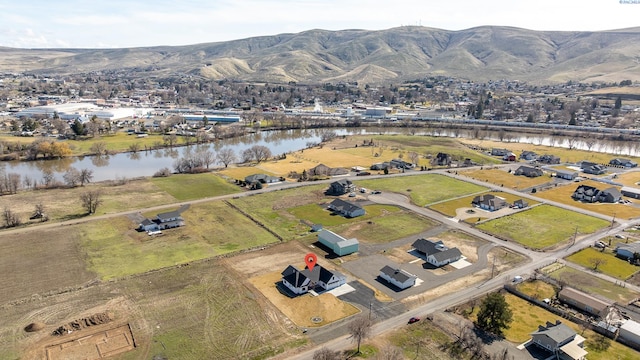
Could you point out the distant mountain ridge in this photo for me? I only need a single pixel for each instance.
(403, 53)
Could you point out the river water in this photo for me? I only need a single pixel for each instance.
(146, 163)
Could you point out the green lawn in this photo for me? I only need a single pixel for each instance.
(386, 228)
(537, 289)
(593, 285)
(607, 263)
(195, 186)
(424, 189)
(542, 226)
(113, 249)
(117, 142)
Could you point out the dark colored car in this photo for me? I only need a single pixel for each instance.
(414, 320)
(376, 192)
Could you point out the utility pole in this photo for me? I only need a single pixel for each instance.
(370, 306)
(613, 220)
(575, 235)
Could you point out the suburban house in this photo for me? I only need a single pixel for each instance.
(397, 277)
(489, 202)
(630, 192)
(591, 194)
(528, 171)
(626, 251)
(437, 254)
(566, 174)
(592, 168)
(341, 187)
(162, 221)
(324, 170)
(583, 301)
(560, 340)
(630, 331)
(442, 159)
(300, 282)
(528, 155)
(548, 159)
(520, 204)
(623, 162)
(261, 178)
(401, 164)
(339, 245)
(380, 166)
(499, 152)
(346, 208)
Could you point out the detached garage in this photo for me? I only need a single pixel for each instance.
(339, 245)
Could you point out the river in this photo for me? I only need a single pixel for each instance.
(146, 163)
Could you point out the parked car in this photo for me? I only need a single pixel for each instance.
(376, 192)
(414, 320)
(352, 194)
(620, 236)
(363, 173)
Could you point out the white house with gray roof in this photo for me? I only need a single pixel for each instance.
(162, 221)
(397, 277)
(560, 340)
(436, 253)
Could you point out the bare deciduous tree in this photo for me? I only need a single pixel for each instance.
(360, 329)
(98, 148)
(596, 261)
(260, 153)
(85, 177)
(71, 177)
(91, 200)
(326, 354)
(390, 352)
(226, 156)
(11, 219)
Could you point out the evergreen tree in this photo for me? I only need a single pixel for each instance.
(495, 314)
(618, 104)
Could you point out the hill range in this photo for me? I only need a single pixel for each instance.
(397, 54)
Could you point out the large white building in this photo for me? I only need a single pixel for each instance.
(70, 111)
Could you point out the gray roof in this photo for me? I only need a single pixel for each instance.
(397, 274)
(169, 215)
(344, 206)
(426, 247)
(558, 332)
(452, 253)
(633, 247)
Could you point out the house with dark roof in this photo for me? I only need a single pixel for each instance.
(509, 157)
(320, 278)
(560, 340)
(591, 194)
(401, 164)
(592, 168)
(548, 159)
(341, 187)
(261, 178)
(380, 166)
(520, 204)
(626, 251)
(436, 253)
(442, 159)
(397, 277)
(528, 171)
(623, 162)
(324, 170)
(346, 208)
(584, 302)
(528, 155)
(499, 152)
(489, 202)
(163, 221)
(339, 245)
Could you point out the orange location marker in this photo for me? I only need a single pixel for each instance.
(310, 259)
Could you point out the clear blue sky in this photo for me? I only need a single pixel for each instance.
(129, 23)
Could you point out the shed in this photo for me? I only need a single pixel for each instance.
(630, 192)
(583, 301)
(630, 331)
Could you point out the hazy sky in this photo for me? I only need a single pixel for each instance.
(128, 23)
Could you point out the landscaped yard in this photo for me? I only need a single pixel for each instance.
(562, 194)
(114, 249)
(542, 226)
(606, 262)
(195, 186)
(593, 285)
(424, 189)
(449, 207)
(501, 177)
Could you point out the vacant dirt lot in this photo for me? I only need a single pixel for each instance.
(97, 345)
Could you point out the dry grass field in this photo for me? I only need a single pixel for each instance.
(501, 177)
(562, 194)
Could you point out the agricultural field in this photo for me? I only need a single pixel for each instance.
(592, 284)
(501, 177)
(195, 186)
(424, 189)
(225, 317)
(114, 248)
(562, 194)
(604, 262)
(551, 226)
(453, 207)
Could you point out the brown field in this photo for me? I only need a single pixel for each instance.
(501, 177)
(631, 179)
(94, 346)
(562, 194)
